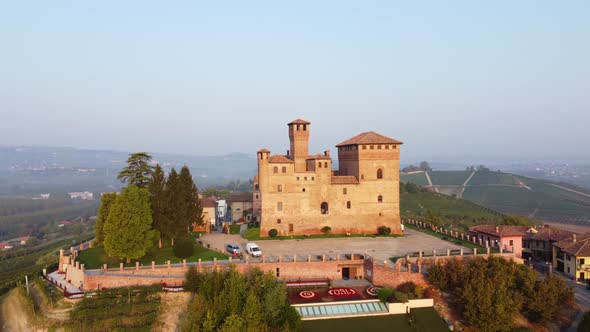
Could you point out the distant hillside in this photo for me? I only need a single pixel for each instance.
(511, 194)
(30, 170)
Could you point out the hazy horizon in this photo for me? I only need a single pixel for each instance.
(504, 80)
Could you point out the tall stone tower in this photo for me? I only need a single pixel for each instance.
(299, 138)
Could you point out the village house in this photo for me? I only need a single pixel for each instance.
(538, 245)
(572, 256)
(208, 204)
(240, 206)
(507, 237)
(300, 193)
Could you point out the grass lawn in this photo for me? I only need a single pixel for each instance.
(425, 319)
(234, 229)
(253, 234)
(94, 258)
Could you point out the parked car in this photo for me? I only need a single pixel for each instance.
(253, 249)
(233, 249)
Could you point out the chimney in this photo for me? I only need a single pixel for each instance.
(497, 229)
(574, 238)
(327, 153)
(287, 153)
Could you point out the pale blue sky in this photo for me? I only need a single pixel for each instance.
(449, 78)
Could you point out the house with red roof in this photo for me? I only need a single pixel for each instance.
(507, 237)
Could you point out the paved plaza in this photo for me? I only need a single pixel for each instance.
(381, 248)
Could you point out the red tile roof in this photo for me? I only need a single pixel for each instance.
(550, 234)
(279, 159)
(208, 202)
(370, 137)
(344, 179)
(240, 197)
(263, 150)
(299, 121)
(500, 230)
(579, 248)
(319, 156)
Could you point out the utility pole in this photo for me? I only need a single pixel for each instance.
(27, 283)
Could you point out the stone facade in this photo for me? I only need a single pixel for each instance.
(299, 193)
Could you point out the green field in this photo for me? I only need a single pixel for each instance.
(424, 319)
(417, 178)
(94, 258)
(492, 178)
(458, 212)
(504, 193)
(448, 178)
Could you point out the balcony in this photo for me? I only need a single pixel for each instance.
(583, 267)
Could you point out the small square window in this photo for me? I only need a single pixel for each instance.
(313, 178)
(372, 147)
(378, 147)
(278, 221)
(303, 189)
(364, 147)
(387, 147)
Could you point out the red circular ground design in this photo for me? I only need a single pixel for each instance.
(342, 292)
(307, 294)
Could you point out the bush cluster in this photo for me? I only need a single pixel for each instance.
(184, 247)
(273, 233)
(490, 291)
(326, 229)
(384, 230)
(232, 301)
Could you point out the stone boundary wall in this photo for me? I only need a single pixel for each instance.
(404, 308)
(174, 274)
(454, 234)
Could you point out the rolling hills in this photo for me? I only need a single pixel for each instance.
(511, 194)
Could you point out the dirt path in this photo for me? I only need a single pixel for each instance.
(430, 181)
(172, 306)
(521, 184)
(465, 184)
(568, 189)
(14, 314)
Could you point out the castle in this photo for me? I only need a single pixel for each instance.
(299, 193)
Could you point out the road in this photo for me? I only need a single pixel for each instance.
(381, 248)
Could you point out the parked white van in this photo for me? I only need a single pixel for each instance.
(253, 249)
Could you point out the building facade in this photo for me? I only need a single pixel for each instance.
(299, 193)
(572, 256)
(507, 237)
(538, 245)
(240, 205)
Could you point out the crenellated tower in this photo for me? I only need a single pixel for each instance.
(299, 138)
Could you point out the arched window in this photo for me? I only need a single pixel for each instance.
(275, 170)
(324, 208)
(325, 164)
(348, 204)
(380, 199)
(320, 164)
(284, 169)
(379, 173)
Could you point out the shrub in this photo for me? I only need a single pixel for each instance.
(273, 233)
(400, 297)
(326, 229)
(385, 294)
(585, 323)
(183, 248)
(383, 230)
(411, 289)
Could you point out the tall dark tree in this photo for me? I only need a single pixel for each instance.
(138, 170)
(106, 200)
(157, 188)
(191, 211)
(172, 206)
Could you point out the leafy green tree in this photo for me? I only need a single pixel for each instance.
(128, 228)
(157, 188)
(106, 201)
(138, 170)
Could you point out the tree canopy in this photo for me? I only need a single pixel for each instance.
(128, 228)
(106, 201)
(138, 170)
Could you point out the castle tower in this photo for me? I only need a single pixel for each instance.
(299, 138)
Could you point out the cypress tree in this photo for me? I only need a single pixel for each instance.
(157, 187)
(191, 211)
(172, 207)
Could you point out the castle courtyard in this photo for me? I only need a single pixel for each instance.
(381, 248)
